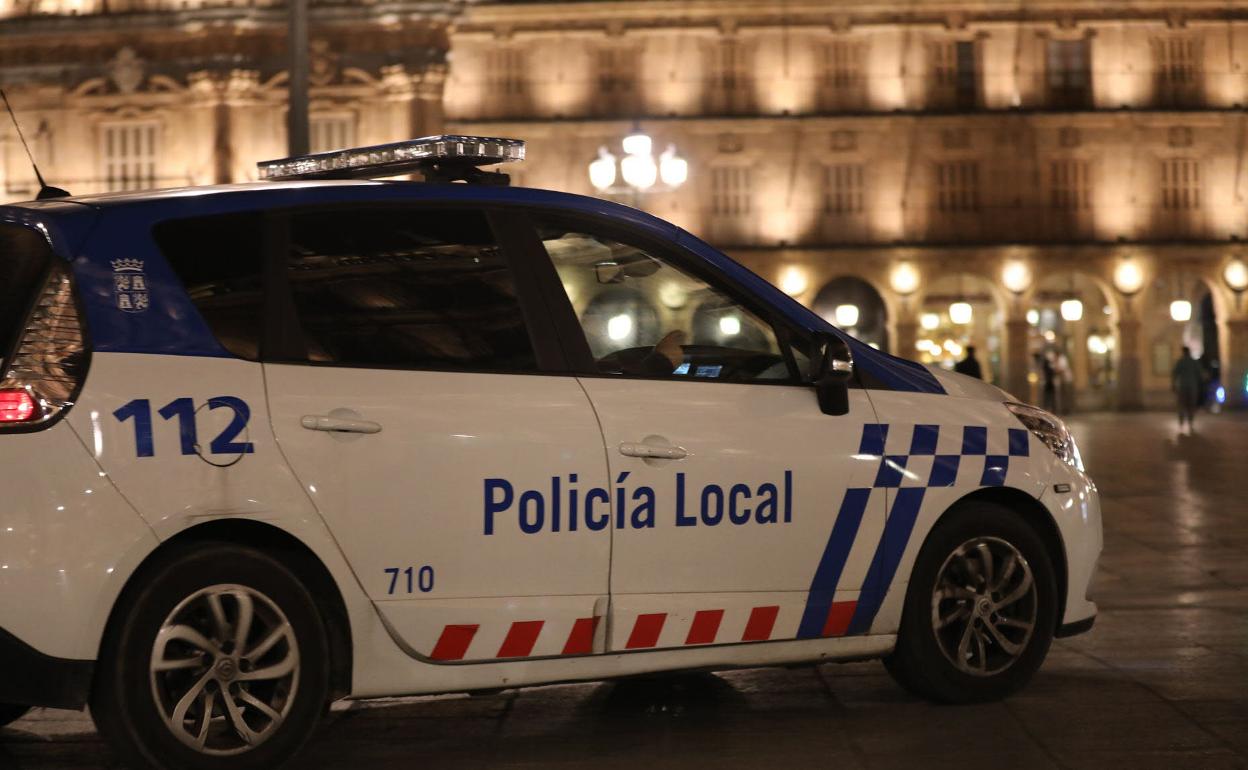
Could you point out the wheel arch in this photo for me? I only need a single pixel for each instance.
(1041, 521)
(286, 548)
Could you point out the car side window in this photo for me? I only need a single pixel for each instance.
(643, 316)
(405, 288)
(219, 261)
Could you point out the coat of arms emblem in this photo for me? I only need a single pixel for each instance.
(130, 285)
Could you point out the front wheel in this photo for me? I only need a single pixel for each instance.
(11, 712)
(980, 609)
(218, 660)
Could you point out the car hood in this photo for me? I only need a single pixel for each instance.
(962, 386)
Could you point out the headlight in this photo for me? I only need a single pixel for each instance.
(1049, 429)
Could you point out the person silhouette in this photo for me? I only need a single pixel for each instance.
(969, 365)
(1186, 380)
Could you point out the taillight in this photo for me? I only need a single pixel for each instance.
(17, 406)
(49, 363)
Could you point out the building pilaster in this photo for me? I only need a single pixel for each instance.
(1234, 334)
(1130, 366)
(1016, 364)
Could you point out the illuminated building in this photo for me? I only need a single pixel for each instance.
(828, 144)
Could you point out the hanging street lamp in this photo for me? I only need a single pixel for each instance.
(637, 172)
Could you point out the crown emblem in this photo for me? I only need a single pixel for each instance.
(127, 264)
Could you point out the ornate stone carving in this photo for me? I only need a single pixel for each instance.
(395, 82)
(126, 70)
(323, 64)
(730, 143)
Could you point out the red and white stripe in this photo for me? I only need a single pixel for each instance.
(740, 624)
(456, 641)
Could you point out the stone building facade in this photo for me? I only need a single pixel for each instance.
(126, 94)
(1011, 156)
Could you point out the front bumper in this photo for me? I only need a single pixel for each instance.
(30, 678)
(1076, 628)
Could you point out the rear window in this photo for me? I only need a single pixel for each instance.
(24, 257)
(219, 261)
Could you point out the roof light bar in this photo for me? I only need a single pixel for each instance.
(440, 158)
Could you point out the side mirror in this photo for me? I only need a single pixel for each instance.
(834, 368)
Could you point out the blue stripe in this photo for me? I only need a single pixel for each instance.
(974, 440)
(924, 440)
(873, 438)
(1019, 442)
(891, 470)
(944, 470)
(995, 468)
(897, 531)
(835, 554)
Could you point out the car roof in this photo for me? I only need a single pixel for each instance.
(225, 198)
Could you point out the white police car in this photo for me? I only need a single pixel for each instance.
(273, 444)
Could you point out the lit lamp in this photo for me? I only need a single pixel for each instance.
(1072, 309)
(1236, 276)
(929, 321)
(619, 327)
(904, 279)
(1128, 277)
(846, 316)
(1016, 276)
(673, 169)
(793, 281)
(602, 170)
(1180, 309)
(960, 313)
(638, 169)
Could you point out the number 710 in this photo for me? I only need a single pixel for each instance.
(423, 579)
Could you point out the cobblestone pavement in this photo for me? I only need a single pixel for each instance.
(1161, 681)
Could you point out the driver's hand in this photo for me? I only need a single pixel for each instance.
(669, 347)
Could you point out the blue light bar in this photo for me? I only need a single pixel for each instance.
(445, 158)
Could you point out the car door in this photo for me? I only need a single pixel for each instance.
(741, 512)
(417, 411)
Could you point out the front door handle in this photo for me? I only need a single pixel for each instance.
(632, 449)
(338, 424)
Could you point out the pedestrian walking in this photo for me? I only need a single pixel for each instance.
(1048, 374)
(969, 365)
(1186, 380)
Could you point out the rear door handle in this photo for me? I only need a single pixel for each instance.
(338, 424)
(632, 449)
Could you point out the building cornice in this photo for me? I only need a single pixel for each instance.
(615, 15)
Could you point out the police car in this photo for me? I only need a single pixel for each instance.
(319, 437)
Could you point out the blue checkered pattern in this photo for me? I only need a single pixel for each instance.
(909, 475)
(941, 470)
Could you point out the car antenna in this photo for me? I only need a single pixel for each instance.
(45, 191)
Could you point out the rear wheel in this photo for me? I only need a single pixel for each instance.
(980, 608)
(218, 661)
(11, 712)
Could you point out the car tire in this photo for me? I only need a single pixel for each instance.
(176, 688)
(980, 609)
(11, 712)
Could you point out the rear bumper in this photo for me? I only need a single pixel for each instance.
(30, 678)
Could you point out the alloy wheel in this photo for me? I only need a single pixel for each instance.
(225, 669)
(984, 606)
